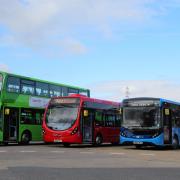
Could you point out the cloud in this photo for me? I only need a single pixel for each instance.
(37, 23)
(4, 67)
(117, 90)
(7, 40)
(72, 45)
(33, 15)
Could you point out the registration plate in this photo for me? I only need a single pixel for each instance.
(57, 140)
(136, 142)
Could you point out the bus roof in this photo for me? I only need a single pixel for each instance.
(39, 80)
(85, 98)
(152, 98)
(169, 101)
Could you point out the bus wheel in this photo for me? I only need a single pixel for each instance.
(138, 146)
(115, 143)
(5, 143)
(98, 140)
(175, 143)
(66, 144)
(26, 137)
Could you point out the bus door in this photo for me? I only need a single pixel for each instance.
(87, 126)
(11, 116)
(111, 132)
(167, 126)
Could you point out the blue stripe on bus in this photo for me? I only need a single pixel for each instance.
(159, 140)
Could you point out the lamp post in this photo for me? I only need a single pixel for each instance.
(127, 92)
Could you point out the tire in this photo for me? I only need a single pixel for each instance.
(175, 143)
(66, 144)
(98, 140)
(5, 143)
(138, 146)
(115, 143)
(26, 137)
(47, 143)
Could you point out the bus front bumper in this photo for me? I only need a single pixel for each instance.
(55, 138)
(157, 141)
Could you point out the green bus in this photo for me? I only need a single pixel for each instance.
(22, 104)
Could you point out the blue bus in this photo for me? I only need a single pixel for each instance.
(150, 121)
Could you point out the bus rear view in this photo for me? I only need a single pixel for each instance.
(149, 121)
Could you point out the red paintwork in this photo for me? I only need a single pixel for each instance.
(110, 134)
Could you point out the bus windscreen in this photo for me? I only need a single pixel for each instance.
(62, 113)
(141, 117)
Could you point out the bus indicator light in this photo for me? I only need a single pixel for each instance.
(7, 111)
(167, 113)
(86, 113)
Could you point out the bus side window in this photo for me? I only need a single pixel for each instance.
(42, 89)
(55, 91)
(1, 120)
(27, 116)
(64, 91)
(39, 117)
(72, 91)
(177, 118)
(118, 120)
(85, 93)
(110, 119)
(99, 120)
(13, 84)
(27, 87)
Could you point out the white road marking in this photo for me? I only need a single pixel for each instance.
(2, 151)
(118, 153)
(3, 167)
(57, 151)
(147, 154)
(27, 151)
(86, 152)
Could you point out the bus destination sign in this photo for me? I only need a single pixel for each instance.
(141, 103)
(65, 101)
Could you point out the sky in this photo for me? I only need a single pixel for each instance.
(108, 46)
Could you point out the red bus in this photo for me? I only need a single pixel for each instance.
(78, 119)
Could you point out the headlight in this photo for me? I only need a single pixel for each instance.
(123, 134)
(155, 135)
(75, 130)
